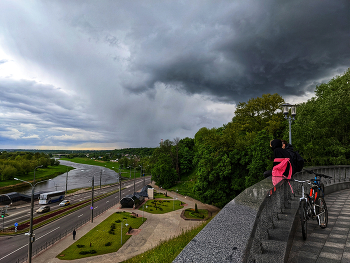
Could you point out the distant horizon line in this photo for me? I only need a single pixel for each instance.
(32, 149)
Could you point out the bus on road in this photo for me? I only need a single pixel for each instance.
(51, 197)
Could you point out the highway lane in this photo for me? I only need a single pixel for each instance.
(23, 213)
(16, 247)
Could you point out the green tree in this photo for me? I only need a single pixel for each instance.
(321, 129)
(260, 114)
(8, 172)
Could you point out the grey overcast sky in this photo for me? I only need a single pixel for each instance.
(116, 74)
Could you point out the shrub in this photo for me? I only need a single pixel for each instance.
(194, 214)
(118, 221)
(108, 244)
(80, 246)
(85, 252)
(111, 232)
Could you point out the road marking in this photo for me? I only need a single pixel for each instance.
(27, 244)
(95, 207)
(48, 232)
(81, 215)
(13, 252)
(107, 201)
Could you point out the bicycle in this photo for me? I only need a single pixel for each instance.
(312, 205)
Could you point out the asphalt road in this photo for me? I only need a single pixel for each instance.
(15, 248)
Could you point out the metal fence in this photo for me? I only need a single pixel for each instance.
(67, 232)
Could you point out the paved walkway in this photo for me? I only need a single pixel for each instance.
(157, 228)
(328, 245)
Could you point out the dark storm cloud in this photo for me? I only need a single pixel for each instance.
(129, 73)
(251, 49)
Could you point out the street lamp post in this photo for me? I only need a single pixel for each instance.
(134, 179)
(66, 180)
(31, 236)
(100, 178)
(290, 118)
(120, 186)
(130, 172)
(92, 200)
(121, 231)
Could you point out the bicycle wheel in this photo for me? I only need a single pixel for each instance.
(322, 211)
(322, 188)
(303, 218)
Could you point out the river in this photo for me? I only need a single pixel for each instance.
(80, 177)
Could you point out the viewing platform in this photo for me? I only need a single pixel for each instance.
(262, 225)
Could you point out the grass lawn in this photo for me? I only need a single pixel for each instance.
(190, 213)
(105, 237)
(161, 195)
(167, 251)
(110, 165)
(40, 174)
(161, 206)
(185, 187)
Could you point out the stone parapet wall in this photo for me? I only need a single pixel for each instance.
(258, 224)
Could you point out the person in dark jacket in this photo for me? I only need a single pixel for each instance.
(278, 152)
(74, 233)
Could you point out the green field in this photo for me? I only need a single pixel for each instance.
(110, 165)
(161, 206)
(104, 238)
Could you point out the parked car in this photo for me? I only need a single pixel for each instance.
(64, 203)
(43, 209)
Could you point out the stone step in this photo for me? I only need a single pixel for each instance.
(273, 251)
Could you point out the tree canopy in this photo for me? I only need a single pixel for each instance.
(232, 157)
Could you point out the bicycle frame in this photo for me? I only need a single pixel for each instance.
(309, 199)
(312, 204)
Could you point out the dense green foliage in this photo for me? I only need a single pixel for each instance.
(17, 164)
(322, 128)
(233, 157)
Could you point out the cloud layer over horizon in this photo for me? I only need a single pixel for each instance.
(116, 74)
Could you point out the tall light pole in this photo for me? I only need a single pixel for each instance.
(120, 186)
(100, 178)
(121, 231)
(134, 179)
(130, 172)
(290, 118)
(31, 236)
(92, 200)
(66, 180)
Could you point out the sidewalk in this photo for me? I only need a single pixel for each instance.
(157, 228)
(329, 245)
